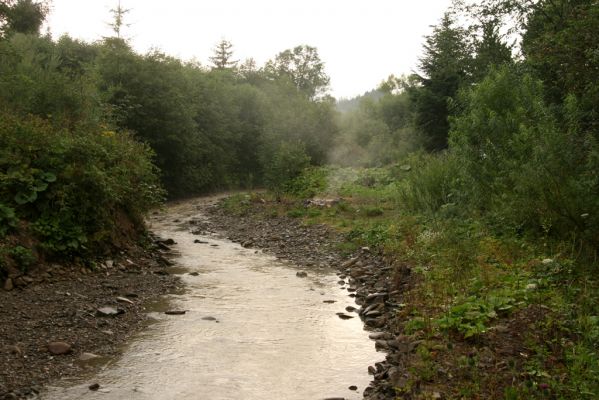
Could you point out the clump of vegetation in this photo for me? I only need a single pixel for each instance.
(70, 189)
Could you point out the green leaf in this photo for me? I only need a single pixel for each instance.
(24, 198)
(49, 177)
(40, 186)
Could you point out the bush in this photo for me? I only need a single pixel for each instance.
(432, 184)
(309, 183)
(521, 169)
(71, 188)
(286, 163)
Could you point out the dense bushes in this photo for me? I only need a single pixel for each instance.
(71, 189)
(520, 166)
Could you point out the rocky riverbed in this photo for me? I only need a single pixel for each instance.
(61, 321)
(64, 324)
(365, 274)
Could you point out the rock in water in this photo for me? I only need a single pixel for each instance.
(301, 274)
(94, 386)
(344, 316)
(175, 312)
(58, 348)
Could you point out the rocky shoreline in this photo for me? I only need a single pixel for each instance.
(375, 284)
(63, 321)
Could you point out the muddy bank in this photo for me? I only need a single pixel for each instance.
(70, 310)
(376, 286)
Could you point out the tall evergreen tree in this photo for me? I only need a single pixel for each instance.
(223, 53)
(490, 49)
(119, 19)
(445, 66)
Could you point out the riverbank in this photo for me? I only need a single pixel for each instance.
(68, 317)
(458, 312)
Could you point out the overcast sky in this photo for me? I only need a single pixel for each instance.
(361, 41)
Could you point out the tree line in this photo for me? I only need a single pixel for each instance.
(90, 131)
(504, 112)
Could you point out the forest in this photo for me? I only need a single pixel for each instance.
(484, 163)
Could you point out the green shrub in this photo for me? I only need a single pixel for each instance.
(522, 170)
(309, 183)
(286, 163)
(71, 186)
(8, 219)
(431, 185)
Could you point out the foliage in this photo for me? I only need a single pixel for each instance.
(22, 16)
(71, 185)
(432, 185)
(310, 182)
(8, 219)
(288, 160)
(377, 132)
(303, 67)
(446, 66)
(471, 317)
(520, 166)
(222, 55)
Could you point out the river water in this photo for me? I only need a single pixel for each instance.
(253, 330)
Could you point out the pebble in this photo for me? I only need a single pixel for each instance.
(59, 348)
(14, 350)
(109, 312)
(344, 316)
(353, 387)
(301, 274)
(175, 312)
(88, 356)
(94, 386)
(329, 301)
(209, 318)
(124, 300)
(8, 285)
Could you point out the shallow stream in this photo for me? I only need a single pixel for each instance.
(252, 330)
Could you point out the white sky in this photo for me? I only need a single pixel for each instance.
(361, 41)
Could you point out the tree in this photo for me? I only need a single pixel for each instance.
(446, 66)
(22, 16)
(491, 50)
(303, 67)
(223, 53)
(561, 45)
(119, 16)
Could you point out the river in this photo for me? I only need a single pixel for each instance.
(252, 330)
